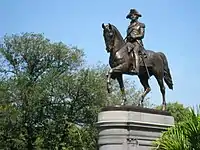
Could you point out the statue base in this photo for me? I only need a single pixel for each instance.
(131, 127)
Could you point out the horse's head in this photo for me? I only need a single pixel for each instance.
(112, 37)
(109, 36)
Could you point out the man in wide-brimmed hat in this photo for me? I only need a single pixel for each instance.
(135, 34)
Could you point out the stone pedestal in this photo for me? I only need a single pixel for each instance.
(130, 127)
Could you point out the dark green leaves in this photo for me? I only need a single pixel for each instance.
(184, 135)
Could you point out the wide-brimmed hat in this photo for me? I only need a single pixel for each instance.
(133, 11)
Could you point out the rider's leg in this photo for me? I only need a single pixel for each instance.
(130, 47)
(135, 51)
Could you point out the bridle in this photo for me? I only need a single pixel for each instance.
(109, 43)
(112, 41)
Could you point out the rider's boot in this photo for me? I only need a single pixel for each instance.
(137, 65)
(136, 70)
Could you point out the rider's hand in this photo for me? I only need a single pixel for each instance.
(133, 36)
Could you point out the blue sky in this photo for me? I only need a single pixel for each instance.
(172, 27)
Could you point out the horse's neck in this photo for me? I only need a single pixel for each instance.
(118, 43)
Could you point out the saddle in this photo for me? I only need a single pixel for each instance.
(143, 57)
(142, 53)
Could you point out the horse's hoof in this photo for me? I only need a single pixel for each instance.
(163, 108)
(123, 103)
(141, 105)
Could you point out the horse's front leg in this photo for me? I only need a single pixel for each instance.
(122, 88)
(113, 71)
(109, 73)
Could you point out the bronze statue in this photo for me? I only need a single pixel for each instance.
(121, 62)
(135, 34)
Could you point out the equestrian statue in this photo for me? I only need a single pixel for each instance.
(128, 56)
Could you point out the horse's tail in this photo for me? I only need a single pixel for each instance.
(167, 75)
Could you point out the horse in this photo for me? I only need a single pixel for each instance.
(151, 64)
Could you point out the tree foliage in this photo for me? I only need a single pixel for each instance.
(48, 98)
(184, 135)
(177, 110)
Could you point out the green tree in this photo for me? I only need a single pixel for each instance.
(184, 135)
(31, 70)
(177, 110)
(49, 98)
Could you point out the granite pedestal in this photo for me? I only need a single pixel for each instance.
(131, 127)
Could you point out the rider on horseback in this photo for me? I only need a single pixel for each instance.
(135, 34)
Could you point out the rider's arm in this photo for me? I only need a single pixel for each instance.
(140, 36)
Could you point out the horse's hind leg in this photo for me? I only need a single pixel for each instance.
(162, 90)
(147, 89)
(121, 84)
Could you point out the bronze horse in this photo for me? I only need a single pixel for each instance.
(121, 62)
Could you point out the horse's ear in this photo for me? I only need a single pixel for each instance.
(103, 26)
(110, 26)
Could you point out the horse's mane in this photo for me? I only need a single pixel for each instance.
(118, 33)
